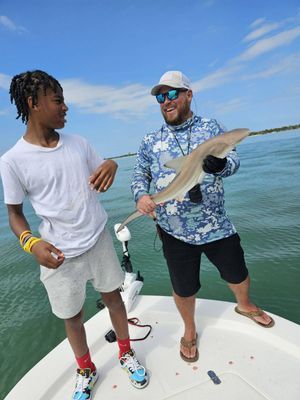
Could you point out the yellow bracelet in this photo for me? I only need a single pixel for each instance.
(30, 242)
(26, 246)
(33, 242)
(23, 236)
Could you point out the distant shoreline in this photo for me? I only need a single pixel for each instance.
(283, 128)
(124, 155)
(265, 131)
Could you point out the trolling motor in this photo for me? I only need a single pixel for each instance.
(131, 286)
(133, 282)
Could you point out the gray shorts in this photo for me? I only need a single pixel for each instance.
(66, 285)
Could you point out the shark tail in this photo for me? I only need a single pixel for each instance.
(131, 217)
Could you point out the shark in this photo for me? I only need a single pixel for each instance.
(189, 169)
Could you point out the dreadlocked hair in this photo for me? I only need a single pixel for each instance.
(27, 84)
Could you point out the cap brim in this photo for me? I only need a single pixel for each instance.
(155, 89)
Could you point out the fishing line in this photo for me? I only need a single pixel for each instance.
(111, 336)
(157, 235)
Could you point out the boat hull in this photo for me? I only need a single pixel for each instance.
(252, 363)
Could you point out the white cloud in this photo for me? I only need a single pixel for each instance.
(266, 45)
(132, 99)
(228, 107)
(230, 70)
(285, 65)
(263, 30)
(4, 112)
(216, 78)
(257, 22)
(10, 25)
(4, 81)
(208, 3)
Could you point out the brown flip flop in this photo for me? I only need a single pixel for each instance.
(189, 344)
(253, 314)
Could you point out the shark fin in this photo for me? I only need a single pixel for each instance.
(176, 163)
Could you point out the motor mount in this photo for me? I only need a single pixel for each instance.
(133, 282)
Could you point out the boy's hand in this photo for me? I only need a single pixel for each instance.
(104, 176)
(47, 255)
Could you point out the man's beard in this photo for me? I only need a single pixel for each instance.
(182, 116)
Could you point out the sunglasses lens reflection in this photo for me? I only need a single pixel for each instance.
(171, 95)
(160, 98)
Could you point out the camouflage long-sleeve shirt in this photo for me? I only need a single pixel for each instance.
(195, 223)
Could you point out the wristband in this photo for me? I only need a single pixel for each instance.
(26, 239)
(29, 243)
(24, 235)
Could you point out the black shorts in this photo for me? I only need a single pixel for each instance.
(183, 260)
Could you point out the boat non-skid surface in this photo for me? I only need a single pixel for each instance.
(250, 362)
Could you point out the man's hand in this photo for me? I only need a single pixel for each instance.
(146, 205)
(213, 165)
(47, 255)
(104, 176)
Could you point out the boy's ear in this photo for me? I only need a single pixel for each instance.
(29, 102)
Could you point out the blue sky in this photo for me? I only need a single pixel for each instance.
(242, 57)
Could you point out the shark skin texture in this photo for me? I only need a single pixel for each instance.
(189, 170)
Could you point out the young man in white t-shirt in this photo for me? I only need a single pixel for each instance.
(61, 175)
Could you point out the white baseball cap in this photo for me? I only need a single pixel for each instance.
(174, 79)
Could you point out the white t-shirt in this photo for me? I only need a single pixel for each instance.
(56, 183)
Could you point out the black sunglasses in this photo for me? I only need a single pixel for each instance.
(171, 95)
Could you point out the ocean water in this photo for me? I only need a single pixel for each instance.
(262, 200)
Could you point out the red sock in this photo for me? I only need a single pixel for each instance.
(86, 362)
(124, 346)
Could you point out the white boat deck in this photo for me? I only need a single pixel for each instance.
(253, 363)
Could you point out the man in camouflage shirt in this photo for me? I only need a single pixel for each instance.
(198, 224)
